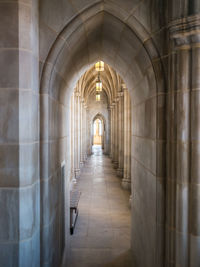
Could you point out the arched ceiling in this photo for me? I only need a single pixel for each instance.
(110, 79)
(105, 34)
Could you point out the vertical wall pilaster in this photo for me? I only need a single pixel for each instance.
(194, 202)
(116, 132)
(112, 132)
(120, 135)
(85, 131)
(72, 138)
(81, 133)
(77, 135)
(126, 182)
(183, 186)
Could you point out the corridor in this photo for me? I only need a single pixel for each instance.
(102, 232)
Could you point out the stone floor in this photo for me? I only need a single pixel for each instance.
(102, 233)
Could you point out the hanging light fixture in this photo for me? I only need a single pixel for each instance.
(99, 66)
(98, 97)
(98, 84)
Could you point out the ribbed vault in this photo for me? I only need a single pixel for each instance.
(110, 79)
(102, 35)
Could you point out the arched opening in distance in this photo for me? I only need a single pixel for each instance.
(98, 132)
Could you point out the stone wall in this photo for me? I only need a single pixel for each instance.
(19, 135)
(149, 43)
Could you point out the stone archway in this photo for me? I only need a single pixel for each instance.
(104, 127)
(66, 62)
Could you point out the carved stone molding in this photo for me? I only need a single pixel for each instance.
(111, 106)
(77, 94)
(123, 86)
(185, 31)
(120, 94)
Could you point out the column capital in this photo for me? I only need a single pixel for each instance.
(85, 105)
(82, 100)
(120, 94)
(113, 104)
(77, 94)
(186, 31)
(123, 85)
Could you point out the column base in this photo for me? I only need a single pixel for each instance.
(81, 164)
(115, 164)
(130, 201)
(77, 173)
(126, 184)
(120, 172)
(73, 183)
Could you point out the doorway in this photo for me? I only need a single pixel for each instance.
(97, 132)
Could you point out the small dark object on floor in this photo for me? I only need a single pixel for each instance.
(74, 199)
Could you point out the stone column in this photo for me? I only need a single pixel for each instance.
(115, 161)
(126, 182)
(108, 134)
(194, 201)
(194, 6)
(73, 179)
(120, 135)
(19, 135)
(183, 171)
(181, 144)
(85, 131)
(76, 136)
(81, 133)
(112, 132)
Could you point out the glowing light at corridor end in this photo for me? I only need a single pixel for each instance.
(98, 97)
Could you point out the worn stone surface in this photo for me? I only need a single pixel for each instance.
(102, 233)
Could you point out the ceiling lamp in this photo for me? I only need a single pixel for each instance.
(99, 66)
(98, 84)
(98, 97)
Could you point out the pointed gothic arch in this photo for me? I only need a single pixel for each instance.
(75, 51)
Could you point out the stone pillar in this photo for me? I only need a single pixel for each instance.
(85, 131)
(72, 138)
(19, 135)
(194, 7)
(72, 176)
(126, 182)
(181, 144)
(115, 122)
(112, 132)
(183, 172)
(76, 135)
(108, 133)
(194, 201)
(120, 135)
(81, 123)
